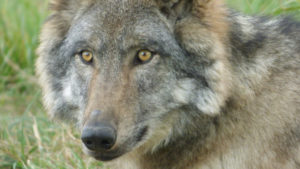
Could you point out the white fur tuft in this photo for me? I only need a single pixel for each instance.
(184, 90)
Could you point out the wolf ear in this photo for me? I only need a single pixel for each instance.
(58, 23)
(178, 9)
(174, 8)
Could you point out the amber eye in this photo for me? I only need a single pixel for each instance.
(144, 55)
(86, 56)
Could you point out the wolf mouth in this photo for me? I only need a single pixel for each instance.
(102, 157)
(105, 156)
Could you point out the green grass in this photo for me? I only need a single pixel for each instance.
(267, 7)
(28, 139)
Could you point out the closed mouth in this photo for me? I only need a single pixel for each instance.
(106, 157)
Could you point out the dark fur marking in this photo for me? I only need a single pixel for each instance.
(141, 134)
(248, 48)
(288, 26)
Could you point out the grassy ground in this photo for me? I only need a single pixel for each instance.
(28, 139)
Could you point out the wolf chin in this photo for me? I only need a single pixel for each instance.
(174, 84)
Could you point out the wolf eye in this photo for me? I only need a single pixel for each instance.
(86, 56)
(144, 55)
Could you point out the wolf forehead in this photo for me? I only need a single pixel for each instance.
(102, 29)
(123, 25)
(113, 12)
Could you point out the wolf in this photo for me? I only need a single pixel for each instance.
(174, 84)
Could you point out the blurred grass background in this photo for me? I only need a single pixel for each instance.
(28, 139)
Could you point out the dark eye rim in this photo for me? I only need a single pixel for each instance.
(139, 61)
(84, 61)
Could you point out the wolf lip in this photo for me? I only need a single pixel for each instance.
(102, 157)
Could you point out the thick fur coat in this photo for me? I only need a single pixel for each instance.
(221, 90)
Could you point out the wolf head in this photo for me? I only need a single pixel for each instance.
(128, 71)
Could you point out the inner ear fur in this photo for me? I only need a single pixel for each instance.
(174, 8)
(200, 8)
(59, 21)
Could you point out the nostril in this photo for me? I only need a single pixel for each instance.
(106, 140)
(105, 143)
(88, 142)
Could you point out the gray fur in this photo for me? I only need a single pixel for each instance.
(222, 91)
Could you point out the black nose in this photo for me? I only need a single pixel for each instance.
(98, 137)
